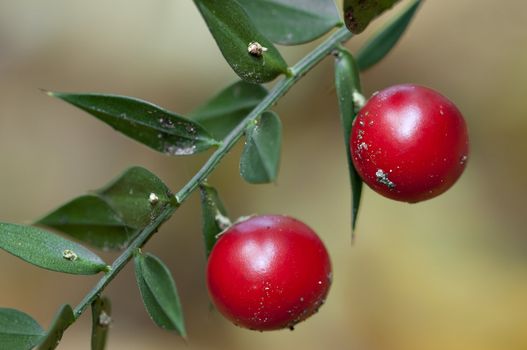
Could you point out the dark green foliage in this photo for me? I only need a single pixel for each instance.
(153, 126)
(348, 88)
(292, 22)
(213, 214)
(233, 31)
(113, 215)
(226, 110)
(49, 251)
(261, 155)
(359, 13)
(381, 43)
(159, 293)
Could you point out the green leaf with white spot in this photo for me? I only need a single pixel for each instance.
(233, 31)
(292, 22)
(347, 85)
(359, 13)
(63, 319)
(19, 331)
(214, 215)
(138, 196)
(260, 158)
(101, 310)
(112, 216)
(226, 110)
(159, 293)
(49, 251)
(377, 47)
(153, 126)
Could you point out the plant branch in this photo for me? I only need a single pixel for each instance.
(121, 261)
(295, 74)
(280, 89)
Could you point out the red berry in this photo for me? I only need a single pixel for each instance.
(409, 143)
(268, 272)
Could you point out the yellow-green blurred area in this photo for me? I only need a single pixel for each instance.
(450, 273)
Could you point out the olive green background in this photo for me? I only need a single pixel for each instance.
(450, 273)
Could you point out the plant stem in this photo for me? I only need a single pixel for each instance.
(297, 72)
(279, 90)
(121, 261)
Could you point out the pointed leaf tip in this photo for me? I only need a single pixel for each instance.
(381, 43)
(347, 83)
(159, 293)
(49, 251)
(151, 125)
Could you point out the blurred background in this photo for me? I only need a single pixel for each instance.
(450, 273)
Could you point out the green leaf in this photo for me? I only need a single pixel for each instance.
(359, 13)
(226, 110)
(214, 215)
(138, 196)
(292, 22)
(381, 43)
(101, 311)
(347, 85)
(63, 320)
(92, 220)
(233, 31)
(49, 251)
(261, 155)
(159, 129)
(18, 331)
(159, 293)
(112, 216)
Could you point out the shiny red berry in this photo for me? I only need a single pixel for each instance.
(409, 143)
(268, 272)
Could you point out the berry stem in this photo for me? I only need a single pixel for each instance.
(295, 73)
